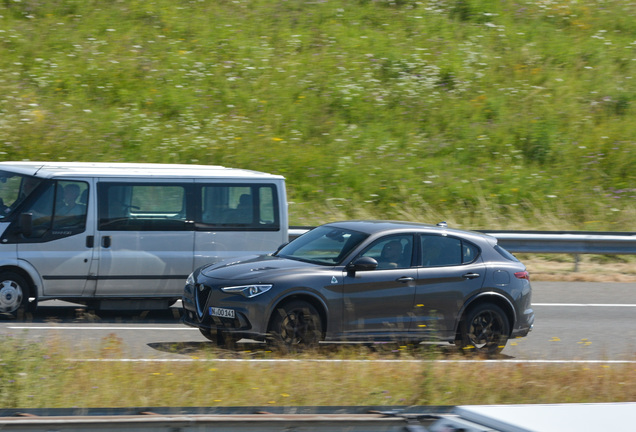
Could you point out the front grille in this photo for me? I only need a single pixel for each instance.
(201, 294)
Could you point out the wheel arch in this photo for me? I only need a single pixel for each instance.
(316, 302)
(488, 297)
(27, 277)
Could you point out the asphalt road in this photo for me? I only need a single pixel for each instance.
(574, 321)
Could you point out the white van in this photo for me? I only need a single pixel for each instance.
(124, 235)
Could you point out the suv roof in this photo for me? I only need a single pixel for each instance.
(374, 226)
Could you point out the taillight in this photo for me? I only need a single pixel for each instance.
(522, 275)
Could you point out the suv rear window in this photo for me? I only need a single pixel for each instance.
(504, 253)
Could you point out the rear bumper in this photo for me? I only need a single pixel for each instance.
(525, 326)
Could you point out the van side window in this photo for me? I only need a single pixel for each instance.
(242, 206)
(70, 206)
(41, 210)
(59, 210)
(142, 207)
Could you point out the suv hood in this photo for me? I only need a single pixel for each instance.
(254, 266)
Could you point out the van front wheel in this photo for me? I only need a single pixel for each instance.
(14, 294)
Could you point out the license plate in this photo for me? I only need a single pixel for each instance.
(220, 312)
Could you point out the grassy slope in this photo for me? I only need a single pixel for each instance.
(488, 114)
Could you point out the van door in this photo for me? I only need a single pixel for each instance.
(60, 245)
(145, 238)
(237, 218)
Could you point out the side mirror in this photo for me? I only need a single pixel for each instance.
(363, 263)
(26, 224)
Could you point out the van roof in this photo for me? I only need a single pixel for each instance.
(122, 169)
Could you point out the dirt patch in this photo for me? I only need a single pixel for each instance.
(586, 270)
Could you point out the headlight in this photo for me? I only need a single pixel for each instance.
(248, 291)
(190, 279)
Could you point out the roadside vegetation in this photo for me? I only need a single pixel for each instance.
(487, 114)
(42, 376)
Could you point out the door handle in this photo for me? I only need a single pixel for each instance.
(471, 275)
(90, 241)
(106, 241)
(405, 279)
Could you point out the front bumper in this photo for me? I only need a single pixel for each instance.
(196, 312)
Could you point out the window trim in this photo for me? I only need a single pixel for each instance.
(193, 196)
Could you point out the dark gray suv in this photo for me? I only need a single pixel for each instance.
(367, 280)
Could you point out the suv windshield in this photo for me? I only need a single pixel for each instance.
(14, 188)
(323, 245)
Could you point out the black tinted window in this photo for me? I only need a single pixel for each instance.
(440, 251)
(446, 251)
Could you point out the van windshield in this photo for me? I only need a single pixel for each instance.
(14, 189)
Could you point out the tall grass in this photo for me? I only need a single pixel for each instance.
(42, 376)
(494, 114)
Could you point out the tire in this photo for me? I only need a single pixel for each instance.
(222, 340)
(484, 330)
(295, 326)
(14, 294)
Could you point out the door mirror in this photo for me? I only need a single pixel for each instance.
(26, 224)
(363, 263)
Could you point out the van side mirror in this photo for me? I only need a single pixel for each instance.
(363, 263)
(26, 224)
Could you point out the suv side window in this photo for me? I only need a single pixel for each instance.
(391, 252)
(446, 251)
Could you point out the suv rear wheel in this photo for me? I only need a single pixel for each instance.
(484, 330)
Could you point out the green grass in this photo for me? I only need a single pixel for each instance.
(488, 114)
(42, 376)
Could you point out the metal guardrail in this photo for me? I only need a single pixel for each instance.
(568, 242)
(225, 419)
(473, 418)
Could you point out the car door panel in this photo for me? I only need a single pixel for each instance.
(439, 296)
(379, 301)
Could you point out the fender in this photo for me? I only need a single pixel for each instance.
(26, 267)
(298, 292)
(500, 298)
